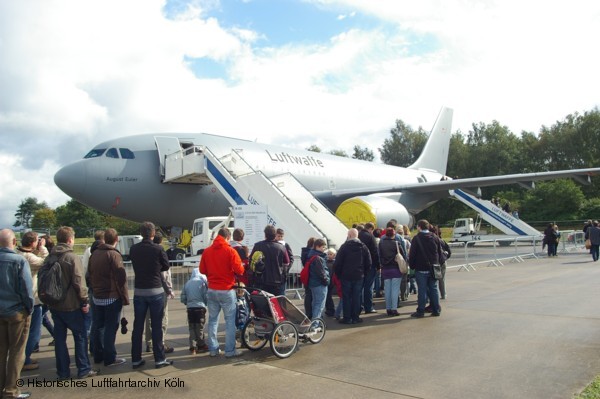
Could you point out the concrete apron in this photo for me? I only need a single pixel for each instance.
(524, 330)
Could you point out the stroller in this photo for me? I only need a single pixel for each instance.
(277, 320)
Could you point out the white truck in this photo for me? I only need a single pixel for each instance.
(125, 243)
(204, 231)
(467, 230)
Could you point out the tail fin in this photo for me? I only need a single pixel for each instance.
(435, 154)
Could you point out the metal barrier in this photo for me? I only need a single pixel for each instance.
(524, 247)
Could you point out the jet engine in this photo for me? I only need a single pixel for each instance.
(373, 208)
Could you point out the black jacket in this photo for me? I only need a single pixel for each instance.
(276, 260)
(369, 240)
(425, 250)
(148, 260)
(353, 261)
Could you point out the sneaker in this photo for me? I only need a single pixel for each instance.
(89, 374)
(30, 366)
(23, 395)
(371, 311)
(428, 309)
(357, 321)
(51, 343)
(215, 353)
(435, 314)
(235, 353)
(193, 350)
(36, 348)
(137, 365)
(148, 348)
(169, 349)
(417, 315)
(118, 361)
(162, 364)
(345, 321)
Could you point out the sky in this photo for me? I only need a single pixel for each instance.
(334, 73)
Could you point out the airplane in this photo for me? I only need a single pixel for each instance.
(124, 177)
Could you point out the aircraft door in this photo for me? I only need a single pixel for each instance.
(166, 146)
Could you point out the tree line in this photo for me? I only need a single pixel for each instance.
(486, 150)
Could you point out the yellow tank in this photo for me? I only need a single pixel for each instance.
(355, 211)
(369, 208)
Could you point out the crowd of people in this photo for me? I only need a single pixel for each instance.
(94, 290)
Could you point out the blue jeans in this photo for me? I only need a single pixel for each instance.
(427, 288)
(35, 332)
(369, 280)
(377, 282)
(106, 318)
(141, 304)
(339, 308)
(221, 300)
(319, 295)
(391, 287)
(73, 321)
(46, 320)
(351, 290)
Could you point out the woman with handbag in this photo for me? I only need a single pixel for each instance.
(390, 271)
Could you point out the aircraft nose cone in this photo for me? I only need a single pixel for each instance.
(71, 179)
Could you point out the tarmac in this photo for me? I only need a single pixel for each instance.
(522, 330)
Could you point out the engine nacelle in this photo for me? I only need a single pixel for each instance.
(372, 208)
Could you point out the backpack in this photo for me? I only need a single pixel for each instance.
(257, 263)
(305, 273)
(50, 283)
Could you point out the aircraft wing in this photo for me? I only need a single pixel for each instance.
(527, 180)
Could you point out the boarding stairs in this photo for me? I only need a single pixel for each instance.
(289, 203)
(494, 215)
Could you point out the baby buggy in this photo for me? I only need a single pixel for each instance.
(277, 320)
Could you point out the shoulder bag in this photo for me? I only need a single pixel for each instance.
(402, 265)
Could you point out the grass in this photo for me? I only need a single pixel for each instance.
(592, 391)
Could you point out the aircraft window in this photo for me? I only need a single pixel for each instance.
(112, 153)
(126, 153)
(95, 153)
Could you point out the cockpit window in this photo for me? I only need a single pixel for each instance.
(95, 153)
(112, 153)
(126, 153)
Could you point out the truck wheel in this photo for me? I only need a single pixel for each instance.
(176, 254)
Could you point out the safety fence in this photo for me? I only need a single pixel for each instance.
(468, 256)
(465, 257)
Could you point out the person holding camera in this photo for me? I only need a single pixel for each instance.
(33, 249)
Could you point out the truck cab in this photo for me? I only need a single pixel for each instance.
(463, 227)
(205, 230)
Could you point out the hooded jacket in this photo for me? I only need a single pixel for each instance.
(194, 292)
(220, 263)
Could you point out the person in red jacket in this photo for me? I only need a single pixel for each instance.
(220, 263)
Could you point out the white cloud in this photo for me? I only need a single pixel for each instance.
(76, 73)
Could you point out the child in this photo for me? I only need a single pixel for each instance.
(193, 296)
